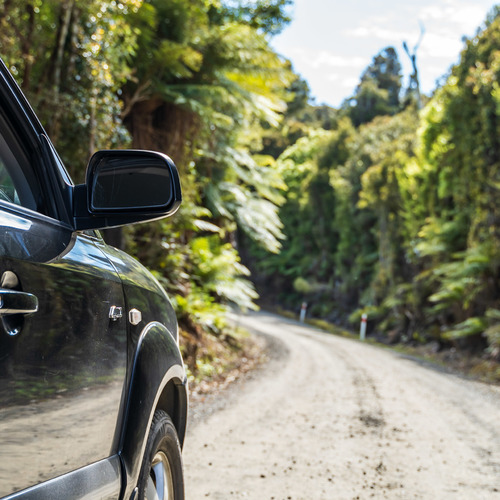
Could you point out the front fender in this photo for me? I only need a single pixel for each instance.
(158, 377)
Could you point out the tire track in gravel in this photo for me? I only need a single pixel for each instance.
(330, 418)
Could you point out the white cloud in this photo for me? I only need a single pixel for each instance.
(429, 75)
(331, 41)
(323, 58)
(445, 19)
(343, 85)
(437, 45)
(343, 80)
(453, 16)
(468, 18)
(435, 13)
(378, 32)
(350, 83)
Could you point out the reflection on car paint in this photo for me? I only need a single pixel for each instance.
(47, 395)
(32, 239)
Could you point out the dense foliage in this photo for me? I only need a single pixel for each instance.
(393, 213)
(197, 80)
(376, 207)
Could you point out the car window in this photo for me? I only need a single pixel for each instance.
(18, 182)
(7, 190)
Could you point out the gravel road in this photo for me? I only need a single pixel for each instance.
(332, 418)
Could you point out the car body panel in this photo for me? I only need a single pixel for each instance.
(142, 292)
(160, 361)
(62, 375)
(97, 481)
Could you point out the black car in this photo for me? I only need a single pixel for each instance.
(93, 397)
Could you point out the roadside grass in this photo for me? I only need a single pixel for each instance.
(220, 360)
(463, 363)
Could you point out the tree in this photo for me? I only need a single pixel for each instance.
(265, 16)
(197, 80)
(413, 90)
(379, 88)
(459, 238)
(70, 58)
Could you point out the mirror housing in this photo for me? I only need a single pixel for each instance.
(124, 187)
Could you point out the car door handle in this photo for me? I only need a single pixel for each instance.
(15, 302)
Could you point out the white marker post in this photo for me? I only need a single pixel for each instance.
(362, 328)
(303, 310)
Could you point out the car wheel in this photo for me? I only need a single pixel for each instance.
(161, 473)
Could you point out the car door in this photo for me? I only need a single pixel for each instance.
(63, 342)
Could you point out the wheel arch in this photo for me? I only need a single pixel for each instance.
(158, 381)
(173, 400)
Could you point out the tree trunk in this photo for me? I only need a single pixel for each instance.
(162, 126)
(26, 47)
(64, 27)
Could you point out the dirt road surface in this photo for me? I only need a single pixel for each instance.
(332, 418)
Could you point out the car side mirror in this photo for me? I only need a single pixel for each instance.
(126, 186)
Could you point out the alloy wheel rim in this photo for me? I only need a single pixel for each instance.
(160, 485)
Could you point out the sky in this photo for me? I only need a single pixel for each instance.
(331, 42)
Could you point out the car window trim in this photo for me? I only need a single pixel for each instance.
(38, 147)
(25, 212)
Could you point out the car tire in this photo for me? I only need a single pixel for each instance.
(161, 475)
